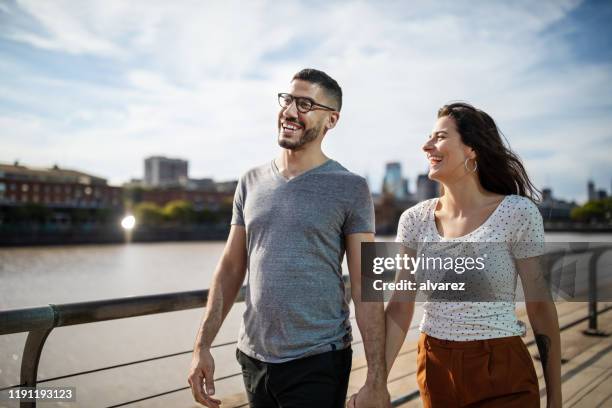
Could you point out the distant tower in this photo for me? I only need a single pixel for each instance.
(592, 195)
(393, 183)
(426, 188)
(163, 171)
(405, 189)
(547, 195)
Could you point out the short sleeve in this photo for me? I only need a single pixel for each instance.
(406, 230)
(238, 206)
(528, 239)
(360, 215)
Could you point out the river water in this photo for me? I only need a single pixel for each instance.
(55, 275)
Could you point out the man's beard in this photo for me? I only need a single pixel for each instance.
(307, 137)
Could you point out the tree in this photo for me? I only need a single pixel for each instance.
(148, 213)
(179, 211)
(594, 211)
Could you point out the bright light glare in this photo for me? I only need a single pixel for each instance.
(128, 222)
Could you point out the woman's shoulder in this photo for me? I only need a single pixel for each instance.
(522, 205)
(413, 222)
(419, 211)
(523, 213)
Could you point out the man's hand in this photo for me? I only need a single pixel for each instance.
(201, 372)
(370, 397)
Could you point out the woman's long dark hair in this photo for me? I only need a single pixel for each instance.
(499, 169)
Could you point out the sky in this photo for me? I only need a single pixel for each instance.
(97, 86)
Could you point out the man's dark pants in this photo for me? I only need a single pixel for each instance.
(319, 381)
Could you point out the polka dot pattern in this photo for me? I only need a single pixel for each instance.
(516, 230)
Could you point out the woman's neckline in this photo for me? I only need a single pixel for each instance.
(432, 220)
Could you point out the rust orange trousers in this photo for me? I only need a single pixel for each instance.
(480, 373)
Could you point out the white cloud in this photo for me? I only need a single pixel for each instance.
(198, 80)
(65, 23)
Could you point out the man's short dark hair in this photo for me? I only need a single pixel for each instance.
(329, 84)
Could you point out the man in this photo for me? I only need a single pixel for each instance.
(292, 221)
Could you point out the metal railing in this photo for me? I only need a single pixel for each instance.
(39, 322)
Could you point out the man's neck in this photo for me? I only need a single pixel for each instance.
(292, 163)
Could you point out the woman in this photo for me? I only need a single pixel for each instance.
(470, 352)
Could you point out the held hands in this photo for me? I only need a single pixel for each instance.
(371, 396)
(201, 372)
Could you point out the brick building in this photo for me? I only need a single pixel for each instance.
(56, 188)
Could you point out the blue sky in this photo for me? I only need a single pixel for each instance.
(99, 85)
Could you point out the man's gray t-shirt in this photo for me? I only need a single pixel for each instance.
(296, 229)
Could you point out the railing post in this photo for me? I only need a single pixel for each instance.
(31, 357)
(592, 330)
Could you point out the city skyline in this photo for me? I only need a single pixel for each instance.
(593, 191)
(97, 86)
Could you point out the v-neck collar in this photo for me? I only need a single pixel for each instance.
(309, 171)
(490, 218)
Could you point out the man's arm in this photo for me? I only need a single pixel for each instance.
(545, 324)
(371, 322)
(226, 283)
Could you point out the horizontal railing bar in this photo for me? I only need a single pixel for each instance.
(101, 310)
(24, 320)
(68, 314)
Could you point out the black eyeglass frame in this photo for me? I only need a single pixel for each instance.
(283, 95)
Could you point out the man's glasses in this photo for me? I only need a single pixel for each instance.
(303, 104)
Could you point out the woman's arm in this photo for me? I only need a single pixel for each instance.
(398, 316)
(545, 324)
